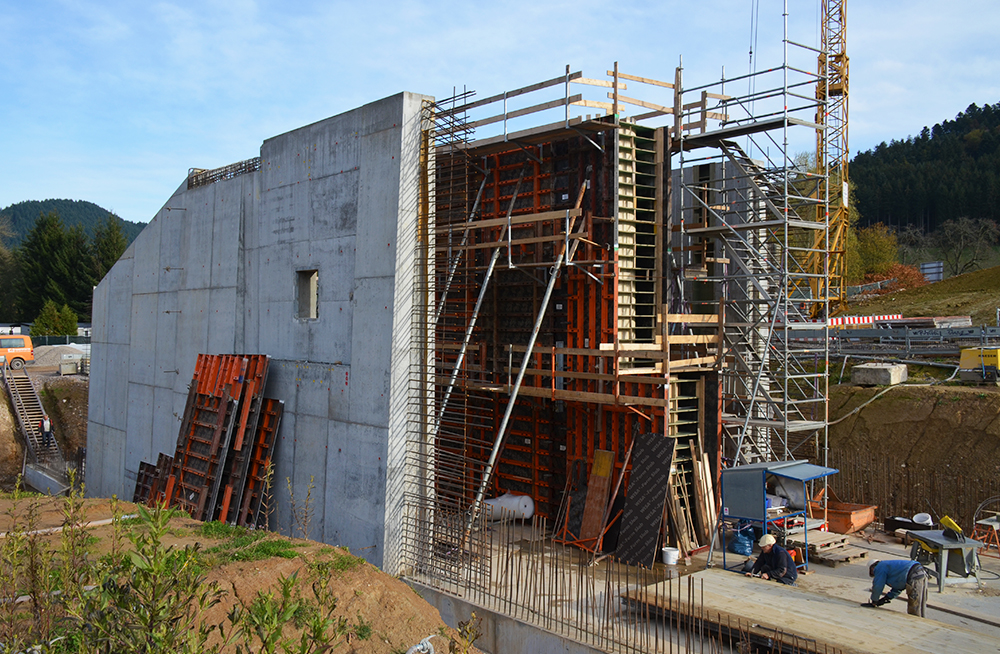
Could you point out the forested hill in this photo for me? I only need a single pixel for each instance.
(948, 171)
(72, 212)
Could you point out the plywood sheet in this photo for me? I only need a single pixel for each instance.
(647, 490)
(597, 494)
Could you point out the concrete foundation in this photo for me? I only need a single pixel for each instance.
(878, 374)
(217, 271)
(501, 633)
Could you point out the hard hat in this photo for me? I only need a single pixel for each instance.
(871, 568)
(766, 539)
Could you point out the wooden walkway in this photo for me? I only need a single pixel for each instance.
(770, 607)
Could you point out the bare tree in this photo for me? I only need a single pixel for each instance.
(912, 244)
(965, 242)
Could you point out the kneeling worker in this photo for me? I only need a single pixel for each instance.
(899, 575)
(774, 562)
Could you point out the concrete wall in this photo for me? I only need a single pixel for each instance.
(501, 634)
(215, 272)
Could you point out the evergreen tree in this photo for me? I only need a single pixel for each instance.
(947, 171)
(55, 265)
(8, 274)
(67, 323)
(109, 245)
(47, 321)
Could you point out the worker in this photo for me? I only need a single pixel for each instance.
(45, 426)
(774, 562)
(899, 574)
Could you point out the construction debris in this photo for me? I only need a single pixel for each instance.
(226, 441)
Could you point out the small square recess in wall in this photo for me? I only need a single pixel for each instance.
(307, 289)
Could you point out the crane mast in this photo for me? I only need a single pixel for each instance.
(832, 154)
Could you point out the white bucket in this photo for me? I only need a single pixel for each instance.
(923, 519)
(670, 555)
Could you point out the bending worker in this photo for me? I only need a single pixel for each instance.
(774, 562)
(899, 574)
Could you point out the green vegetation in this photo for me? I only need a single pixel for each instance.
(975, 294)
(948, 171)
(242, 544)
(152, 598)
(55, 263)
(22, 216)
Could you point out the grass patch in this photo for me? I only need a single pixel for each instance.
(363, 630)
(220, 530)
(338, 562)
(242, 544)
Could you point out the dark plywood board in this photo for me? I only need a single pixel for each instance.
(647, 490)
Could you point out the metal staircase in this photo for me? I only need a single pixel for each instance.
(42, 457)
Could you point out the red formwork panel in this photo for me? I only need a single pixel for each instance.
(252, 510)
(223, 399)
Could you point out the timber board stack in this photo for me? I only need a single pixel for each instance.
(225, 444)
(828, 548)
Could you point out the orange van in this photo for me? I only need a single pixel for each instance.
(17, 350)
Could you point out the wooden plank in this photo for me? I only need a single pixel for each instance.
(644, 80)
(827, 623)
(599, 82)
(516, 241)
(594, 104)
(681, 532)
(713, 514)
(693, 362)
(642, 103)
(512, 94)
(517, 113)
(691, 317)
(699, 510)
(597, 494)
(510, 139)
(692, 338)
(514, 220)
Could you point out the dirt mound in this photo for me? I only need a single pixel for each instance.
(11, 453)
(385, 615)
(925, 427)
(65, 399)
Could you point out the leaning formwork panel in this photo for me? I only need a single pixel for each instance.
(227, 429)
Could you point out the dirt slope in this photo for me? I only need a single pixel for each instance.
(975, 294)
(925, 426)
(397, 616)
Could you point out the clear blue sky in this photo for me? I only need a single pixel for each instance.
(112, 101)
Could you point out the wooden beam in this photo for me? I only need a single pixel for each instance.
(514, 220)
(692, 338)
(598, 82)
(691, 317)
(593, 104)
(644, 80)
(693, 362)
(512, 94)
(516, 241)
(643, 103)
(527, 110)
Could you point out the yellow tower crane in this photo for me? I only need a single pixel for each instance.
(832, 158)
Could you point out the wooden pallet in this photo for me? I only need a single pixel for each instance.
(839, 556)
(819, 541)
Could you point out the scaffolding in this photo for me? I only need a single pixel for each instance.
(599, 276)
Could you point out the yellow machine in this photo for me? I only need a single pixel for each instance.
(979, 364)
